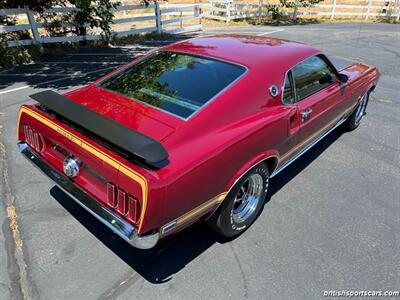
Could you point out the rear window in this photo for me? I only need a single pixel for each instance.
(177, 83)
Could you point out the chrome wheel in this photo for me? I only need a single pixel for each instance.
(247, 199)
(360, 112)
(243, 203)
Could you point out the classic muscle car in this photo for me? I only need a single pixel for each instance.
(191, 131)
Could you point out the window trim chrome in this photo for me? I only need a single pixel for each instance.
(325, 59)
(292, 85)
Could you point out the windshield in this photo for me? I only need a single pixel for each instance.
(174, 82)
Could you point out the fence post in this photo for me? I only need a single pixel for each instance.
(124, 11)
(166, 6)
(295, 10)
(197, 12)
(368, 9)
(333, 10)
(32, 23)
(259, 8)
(398, 11)
(158, 17)
(228, 11)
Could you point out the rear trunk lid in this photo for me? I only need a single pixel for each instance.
(130, 113)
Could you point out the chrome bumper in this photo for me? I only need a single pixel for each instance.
(107, 217)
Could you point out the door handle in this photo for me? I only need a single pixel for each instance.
(305, 114)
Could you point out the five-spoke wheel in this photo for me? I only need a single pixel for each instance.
(243, 203)
(247, 198)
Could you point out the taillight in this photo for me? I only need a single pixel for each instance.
(34, 139)
(134, 209)
(123, 202)
(111, 197)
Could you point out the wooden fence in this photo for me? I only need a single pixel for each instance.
(177, 18)
(129, 20)
(227, 10)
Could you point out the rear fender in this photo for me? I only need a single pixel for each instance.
(250, 164)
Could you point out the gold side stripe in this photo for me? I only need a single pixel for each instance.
(201, 209)
(96, 152)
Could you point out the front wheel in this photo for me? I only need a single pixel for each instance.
(355, 118)
(242, 204)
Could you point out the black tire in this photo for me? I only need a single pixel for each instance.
(355, 118)
(225, 219)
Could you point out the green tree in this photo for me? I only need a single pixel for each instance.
(95, 13)
(276, 11)
(298, 3)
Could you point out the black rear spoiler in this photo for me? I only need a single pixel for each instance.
(127, 139)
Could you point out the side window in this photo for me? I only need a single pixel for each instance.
(288, 92)
(311, 76)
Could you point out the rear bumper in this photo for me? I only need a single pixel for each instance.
(107, 217)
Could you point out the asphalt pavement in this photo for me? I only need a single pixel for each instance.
(331, 220)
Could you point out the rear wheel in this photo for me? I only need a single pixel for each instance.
(242, 204)
(355, 118)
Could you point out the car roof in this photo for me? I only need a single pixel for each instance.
(250, 51)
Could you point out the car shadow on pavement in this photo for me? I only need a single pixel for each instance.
(278, 181)
(158, 265)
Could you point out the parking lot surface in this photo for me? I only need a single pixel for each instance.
(331, 220)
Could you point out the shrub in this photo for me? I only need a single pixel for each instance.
(277, 13)
(10, 56)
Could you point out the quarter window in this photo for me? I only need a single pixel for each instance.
(288, 95)
(311, 76)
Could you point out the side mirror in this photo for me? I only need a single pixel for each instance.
(325, 79)
(343, 78)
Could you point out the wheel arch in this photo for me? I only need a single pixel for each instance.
(270, 158)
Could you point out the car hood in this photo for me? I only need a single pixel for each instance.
(121, 109)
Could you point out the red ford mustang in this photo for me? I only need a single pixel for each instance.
(191, 131)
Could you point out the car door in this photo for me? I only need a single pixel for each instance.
(318, 96)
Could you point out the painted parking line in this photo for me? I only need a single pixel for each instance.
(33, 74)
(270, 32)
(228, 32)
(348, 58)
(101, 54)
(82, 62)
(51, 81)
(242, 32)
(78, 73)
(19, 88)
